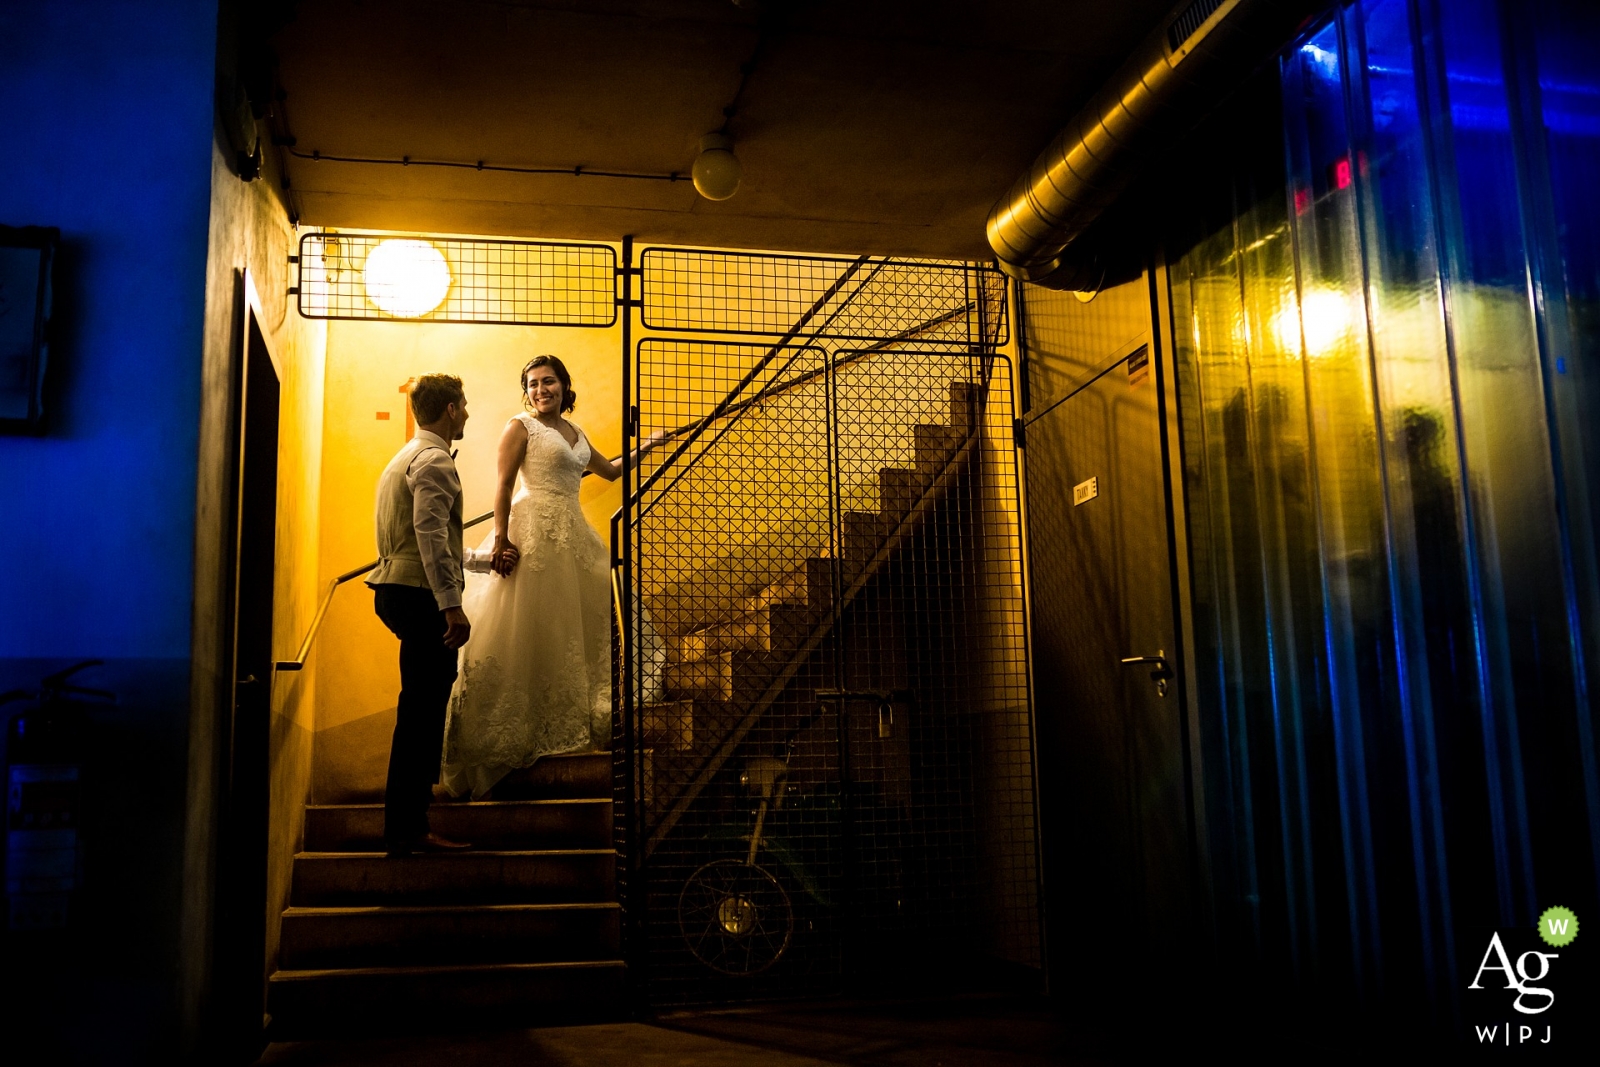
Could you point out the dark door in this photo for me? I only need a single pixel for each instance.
(242, 855)
(1115, 821)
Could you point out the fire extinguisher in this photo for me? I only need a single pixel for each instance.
(44, 764)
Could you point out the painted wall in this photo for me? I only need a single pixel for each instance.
(108, 136)
(250, 231)
(365, 423)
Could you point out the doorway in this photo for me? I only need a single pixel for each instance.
(241, 934)
(1113, 753)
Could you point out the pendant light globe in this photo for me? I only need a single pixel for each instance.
(716, 169)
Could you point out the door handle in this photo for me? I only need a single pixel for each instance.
(1160, 674)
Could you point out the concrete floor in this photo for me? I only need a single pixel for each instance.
(976, 1032)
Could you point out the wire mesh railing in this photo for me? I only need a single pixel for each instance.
(743, 293)
(395, 277)
(829, 689)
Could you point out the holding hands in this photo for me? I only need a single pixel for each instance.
(504, 558)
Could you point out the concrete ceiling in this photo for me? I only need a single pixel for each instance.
(885, 126)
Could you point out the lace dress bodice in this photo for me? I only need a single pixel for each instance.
(544, 510)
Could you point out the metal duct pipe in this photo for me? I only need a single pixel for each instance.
(1194, 56)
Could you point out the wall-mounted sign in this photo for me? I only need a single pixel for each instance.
(27, 255)
(1084, 492)
(1138, 366)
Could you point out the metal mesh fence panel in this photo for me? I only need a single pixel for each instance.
(881, 299)
(934, 656)
(829, 678)
(391, 277)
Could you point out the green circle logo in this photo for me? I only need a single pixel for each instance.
(1558, 926)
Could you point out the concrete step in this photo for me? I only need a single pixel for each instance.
(523, 877)
(809, 585)
(933, 446)
(668, 725)
(727, 677)
(579, 775)
(899, 488)
(776, 627)
(449, 934)
(513, 824)
(965, 400)
(345, 1001)
(862, 533)
(708, 679)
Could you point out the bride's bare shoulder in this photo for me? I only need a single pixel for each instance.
(517, 430)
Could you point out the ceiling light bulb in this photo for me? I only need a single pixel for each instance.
(716, 169)
(406, 278)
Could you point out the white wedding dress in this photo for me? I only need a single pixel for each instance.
(535, 676)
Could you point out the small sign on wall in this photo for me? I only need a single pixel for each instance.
(1086, 491)
(1139, 366)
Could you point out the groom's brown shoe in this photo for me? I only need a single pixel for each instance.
(432, 842)
(429, 842)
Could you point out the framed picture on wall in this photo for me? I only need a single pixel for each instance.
(27, 258)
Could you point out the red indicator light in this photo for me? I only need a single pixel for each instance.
(1302, 200)
(1341, 174)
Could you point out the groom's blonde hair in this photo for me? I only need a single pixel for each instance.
(432, 393)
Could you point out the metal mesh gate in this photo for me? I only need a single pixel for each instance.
(824, 737)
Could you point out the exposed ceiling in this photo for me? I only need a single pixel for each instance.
(886, 126)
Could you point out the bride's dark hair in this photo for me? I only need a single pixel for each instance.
(569, 399)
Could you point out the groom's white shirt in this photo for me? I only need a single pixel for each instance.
(432, 521)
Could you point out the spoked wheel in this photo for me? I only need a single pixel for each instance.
(735, 917)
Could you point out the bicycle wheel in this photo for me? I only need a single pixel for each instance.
(735, 917)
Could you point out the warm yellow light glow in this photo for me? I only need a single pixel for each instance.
(1324, 316)
(406, 278)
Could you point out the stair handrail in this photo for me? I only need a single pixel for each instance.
(732, 411)
(776, 388)
(299, 661)
(772, 353)
(715, 760)
(767, 392)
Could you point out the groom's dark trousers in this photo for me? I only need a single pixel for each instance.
(427, 670)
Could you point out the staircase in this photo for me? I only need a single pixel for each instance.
(524, 928)
(722, 674)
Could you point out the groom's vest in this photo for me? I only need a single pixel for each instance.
(399, 558)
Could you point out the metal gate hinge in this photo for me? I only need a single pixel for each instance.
(294, 290)
(1019, 432)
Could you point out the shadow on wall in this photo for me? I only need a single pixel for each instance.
(350, 762)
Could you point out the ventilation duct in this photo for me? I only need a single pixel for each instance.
(1200, 51)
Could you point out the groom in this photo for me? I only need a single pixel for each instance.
(417, 593)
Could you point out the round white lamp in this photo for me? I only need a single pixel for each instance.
(716, 169)
(406, 278)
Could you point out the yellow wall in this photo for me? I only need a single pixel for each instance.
(368, 363)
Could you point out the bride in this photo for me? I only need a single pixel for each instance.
(535, 674)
